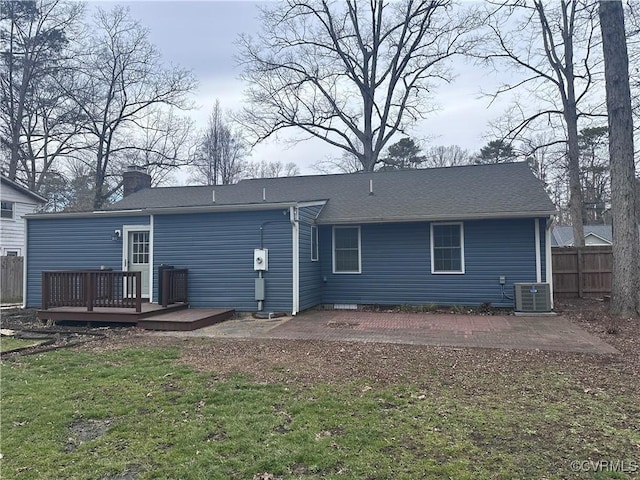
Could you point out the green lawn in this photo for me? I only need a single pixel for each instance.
(11, 343)
(139, 413)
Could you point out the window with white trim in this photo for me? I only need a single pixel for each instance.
(346, 250)
(314, 243)
(447, 248)
(140, 247)
(6, 210)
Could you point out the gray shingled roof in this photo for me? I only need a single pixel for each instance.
(563, 234)
(476, 191)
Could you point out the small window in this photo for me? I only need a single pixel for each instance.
(447, 248)
(12, 253)
(346, 250)
(6, 210)
(314, 243)
(140, 248)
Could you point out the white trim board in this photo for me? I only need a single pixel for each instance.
(295, 257)
(536, 236)
(126, 229)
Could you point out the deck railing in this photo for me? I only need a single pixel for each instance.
(174, 285)
(92, 288)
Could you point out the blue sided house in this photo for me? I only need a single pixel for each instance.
(445, 236)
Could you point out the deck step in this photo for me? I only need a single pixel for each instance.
(107, 314)
(183, 320)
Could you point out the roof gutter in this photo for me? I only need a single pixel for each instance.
(167, 210)
(435, 218)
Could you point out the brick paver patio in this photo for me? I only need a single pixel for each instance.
(542, 333)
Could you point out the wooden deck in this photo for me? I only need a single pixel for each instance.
(190, 319)
(177, 317)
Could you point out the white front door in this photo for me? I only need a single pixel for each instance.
(138, 253)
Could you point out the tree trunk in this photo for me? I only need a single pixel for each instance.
(576, 197)
(576, 201)
(625, 299)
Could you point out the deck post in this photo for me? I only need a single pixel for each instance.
(138, 292)
(45, 291)
(165, 288)
(186, 286)
(88, 285)
(580, 276)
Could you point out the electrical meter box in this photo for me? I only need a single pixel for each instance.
(261, 259)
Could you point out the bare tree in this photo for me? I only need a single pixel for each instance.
(546, 157)
(221, 152)
(38, 125)
(594, 170)
(51, 131)
(552, 44)
(632, 24)
(346, 163)
(446, 156)
(626, 255)
(264, 169)
(351, 73)
(164, 143)
(123, 82)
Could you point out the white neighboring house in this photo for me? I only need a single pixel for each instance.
(15, 202)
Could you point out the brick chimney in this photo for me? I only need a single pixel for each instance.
(134, 179)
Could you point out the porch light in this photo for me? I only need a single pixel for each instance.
(117, 234)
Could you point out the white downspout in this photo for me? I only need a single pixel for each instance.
(151, 229)
(549, 258)
(295, 254)
(25, 259)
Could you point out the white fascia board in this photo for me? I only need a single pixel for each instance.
(169, 210)
(591, 234)
(222, 208)
(312, 204)
(101, 213)
(439, 218)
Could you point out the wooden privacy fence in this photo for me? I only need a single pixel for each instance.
(11, 279)
(582, 271)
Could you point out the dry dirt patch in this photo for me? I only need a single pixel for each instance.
(84, 431)
(311, 361)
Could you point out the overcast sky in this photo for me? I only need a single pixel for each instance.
(201, 36)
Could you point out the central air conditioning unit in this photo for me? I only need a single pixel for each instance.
(532, 297)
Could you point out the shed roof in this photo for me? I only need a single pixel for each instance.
(465, 192)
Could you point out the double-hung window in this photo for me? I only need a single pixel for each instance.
(6, 210)
(346, 250)
(447, 248)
